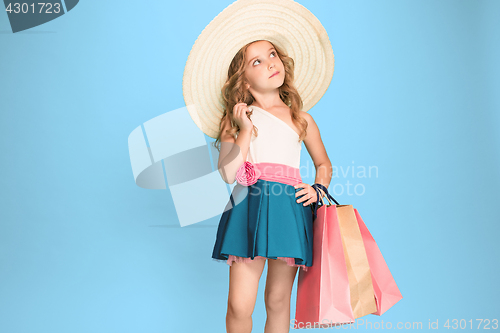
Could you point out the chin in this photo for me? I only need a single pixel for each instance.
(281, 83)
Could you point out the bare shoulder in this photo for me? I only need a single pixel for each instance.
(307, 117)
(311, 124)
(313, 141)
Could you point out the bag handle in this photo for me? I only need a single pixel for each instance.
(328, 195)
(319, 202)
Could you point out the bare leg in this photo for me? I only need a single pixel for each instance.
(243, 285)
(277, 295)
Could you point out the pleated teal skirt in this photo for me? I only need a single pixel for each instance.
(265, 220)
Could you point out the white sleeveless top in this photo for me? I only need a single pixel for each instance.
(276, 141)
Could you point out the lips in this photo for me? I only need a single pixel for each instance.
(274, 74)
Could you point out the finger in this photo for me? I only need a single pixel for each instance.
(308, 202)
(312, 198)
(300, 193)
(240, 111)
(306, 199)
(244, 109)
(308, 193)
(303, 196)
(235, 112)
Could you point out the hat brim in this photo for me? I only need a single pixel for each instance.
(285, 23)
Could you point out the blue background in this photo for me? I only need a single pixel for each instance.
(84, 249)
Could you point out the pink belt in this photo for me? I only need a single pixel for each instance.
(248, 173)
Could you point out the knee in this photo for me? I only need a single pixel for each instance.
(239, 310)
(276, 301)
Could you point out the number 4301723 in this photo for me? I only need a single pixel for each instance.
(463, 324)
(49, 8)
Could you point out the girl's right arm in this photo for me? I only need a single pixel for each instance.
(233, 153)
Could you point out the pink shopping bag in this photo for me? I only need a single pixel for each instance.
(323, 294)
(386, 291)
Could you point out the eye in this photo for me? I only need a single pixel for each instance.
(259, 60)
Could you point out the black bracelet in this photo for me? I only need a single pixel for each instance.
(325, 190)
(315, 185)
(319, 201)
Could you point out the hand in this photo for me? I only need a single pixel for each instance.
(308, 193)
(241, 117)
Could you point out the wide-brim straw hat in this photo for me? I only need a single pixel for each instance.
(285, 23)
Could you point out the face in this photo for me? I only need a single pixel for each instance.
(262, 62)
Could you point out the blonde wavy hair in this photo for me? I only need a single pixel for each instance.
(234, 92)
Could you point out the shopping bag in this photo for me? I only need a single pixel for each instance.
(358, 269)
(386, 291)
(323, 293)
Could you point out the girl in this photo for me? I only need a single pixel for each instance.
(269, 217)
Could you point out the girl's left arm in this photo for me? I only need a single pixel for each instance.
(316, 149)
